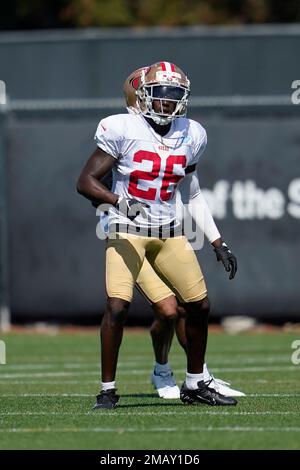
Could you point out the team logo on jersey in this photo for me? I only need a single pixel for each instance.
(187, 140)
(164, 148)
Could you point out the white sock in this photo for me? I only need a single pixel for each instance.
(206, 373)
(191, 380)
(108, 385)
(158, 368)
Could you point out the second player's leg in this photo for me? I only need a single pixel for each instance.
(162, 328)
(177, 264)
(164, 304)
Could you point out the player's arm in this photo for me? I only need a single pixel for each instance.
(89, 185)
(192, 197)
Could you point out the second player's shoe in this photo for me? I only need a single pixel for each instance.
(204, 395)
(165, 385)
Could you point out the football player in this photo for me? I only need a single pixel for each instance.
(169, 315)
(149, 154)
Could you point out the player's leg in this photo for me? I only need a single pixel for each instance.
(196, 330)
(111, 336)
(166, 310)
(124, 258)
(177, 264)
(164, 306)
(211, 381)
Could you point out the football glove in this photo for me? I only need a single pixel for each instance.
(95, 203)
(131, 208)
(228, 259)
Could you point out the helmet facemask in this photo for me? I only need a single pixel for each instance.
(167, 87)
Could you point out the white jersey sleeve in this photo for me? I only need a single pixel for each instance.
(199, 137)
(109, 136)
(193, 199)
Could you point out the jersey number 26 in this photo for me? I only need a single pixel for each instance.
(169, 176)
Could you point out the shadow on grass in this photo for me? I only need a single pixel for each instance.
(160, 401)
(140, 395)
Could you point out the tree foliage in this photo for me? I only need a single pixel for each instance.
(40, 14)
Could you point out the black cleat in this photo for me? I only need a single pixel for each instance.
(205, 395)
(107, 399)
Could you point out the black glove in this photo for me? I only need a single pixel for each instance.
(131, 208)
(228, 259)
(95, 204)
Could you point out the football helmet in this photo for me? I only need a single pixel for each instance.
(130, 87)
(162, 82)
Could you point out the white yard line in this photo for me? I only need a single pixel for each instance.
(180, 429)
(278, 395)
(129, 364)
(256, 369)
(67, 365)
(22, 395)
(62, 381)
(150, 413)
(45, 374)
(145, 371)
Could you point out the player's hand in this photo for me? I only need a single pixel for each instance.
(228, 259)
(95, 204)
(131, 208)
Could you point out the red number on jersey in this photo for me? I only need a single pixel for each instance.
(169, 177)
(151, 175)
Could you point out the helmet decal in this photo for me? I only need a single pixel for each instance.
(134, 81)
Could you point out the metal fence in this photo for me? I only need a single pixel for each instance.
(54, 264)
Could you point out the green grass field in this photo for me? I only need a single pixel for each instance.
(49, 383)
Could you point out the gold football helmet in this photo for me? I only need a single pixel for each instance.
(130, 90)
(160, 82)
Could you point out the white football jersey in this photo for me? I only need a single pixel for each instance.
(148, 166)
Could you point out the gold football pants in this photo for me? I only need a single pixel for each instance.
(161, 267)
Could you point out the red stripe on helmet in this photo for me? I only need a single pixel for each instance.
(163, 66)
(172, 67)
